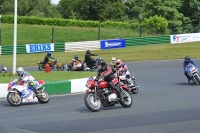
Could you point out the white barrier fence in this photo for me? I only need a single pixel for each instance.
(181, 38)
(0, 50)
(82, 46)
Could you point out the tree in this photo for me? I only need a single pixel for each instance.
(41, 8)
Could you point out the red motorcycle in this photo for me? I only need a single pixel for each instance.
(99, 94)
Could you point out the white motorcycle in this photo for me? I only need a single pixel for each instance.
(193, 73)
(3, 68)
(20, 93)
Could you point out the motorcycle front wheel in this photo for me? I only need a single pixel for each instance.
(14, 99)
(43, 96)
(91, 103)
(126, 102)
(60, 67)
(197, 78)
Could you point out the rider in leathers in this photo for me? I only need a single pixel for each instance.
(46, 58)
(25, 77)
(88, 60)
(187, 61)
(123, 72)
(75, 62)
(105, 73)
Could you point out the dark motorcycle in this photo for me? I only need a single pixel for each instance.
(99, 94)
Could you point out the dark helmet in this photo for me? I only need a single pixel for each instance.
(187, 58)
(101, 62)
(75, 56)
(49, 53)
(88, 51)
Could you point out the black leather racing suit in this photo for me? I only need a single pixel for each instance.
(88, 60)
(107, 75)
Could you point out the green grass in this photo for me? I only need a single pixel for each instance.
(29, 34)
(52, 76)
(137, 53)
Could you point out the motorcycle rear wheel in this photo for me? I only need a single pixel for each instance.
(41, 68)
(126, 103)
(14, 99)
(92, 105)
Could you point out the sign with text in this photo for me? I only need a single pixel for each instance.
(110, 44)
(180, 38)
(34, 48)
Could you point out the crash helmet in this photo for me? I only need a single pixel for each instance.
(20, 71)
(118, 63)
(49, 53)
(113, 59)
(76, 57)
(187, 58)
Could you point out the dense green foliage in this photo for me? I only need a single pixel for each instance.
(178, 13)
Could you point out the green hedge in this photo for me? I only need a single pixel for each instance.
(64, 22)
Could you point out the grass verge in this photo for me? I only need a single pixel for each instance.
(52, 76)
(148, 52)
(30, 34)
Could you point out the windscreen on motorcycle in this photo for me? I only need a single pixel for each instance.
(190, 67)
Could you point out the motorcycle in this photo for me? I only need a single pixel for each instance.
(53, 64)
(19, 93)
(193, 73)
(133, 89)
(3, 68)
(99, 94)
(79, 67)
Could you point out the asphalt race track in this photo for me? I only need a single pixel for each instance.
(166, 103)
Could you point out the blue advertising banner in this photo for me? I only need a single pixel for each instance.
(33, 48)
(111, 44)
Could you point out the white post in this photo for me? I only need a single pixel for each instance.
(15, 38)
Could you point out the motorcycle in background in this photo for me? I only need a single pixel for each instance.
(94, 65)
(53, 64)
(18, 93)
(99, 94)
(193, 73)
(79, 67)
(133, 89)
(3, 68)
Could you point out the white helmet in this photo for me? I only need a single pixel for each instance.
(20, 71)
(113, 59)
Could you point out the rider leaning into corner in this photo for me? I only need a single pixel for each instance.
(123, 72)
(88, 60)
(25, 77)
(187, 61)
(105, 73)
(75, 62)
(46, 58)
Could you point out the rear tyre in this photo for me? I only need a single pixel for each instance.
(41, 68)
(90, 102)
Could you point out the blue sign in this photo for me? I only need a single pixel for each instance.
(111, 44)
(32, 48)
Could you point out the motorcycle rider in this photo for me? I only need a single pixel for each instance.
(187, 61)
(123, 72)
(75, 62)
(25, 77)
(105, 73)
(46, 59)
(88, 60)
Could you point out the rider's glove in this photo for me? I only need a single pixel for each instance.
(96, 79)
